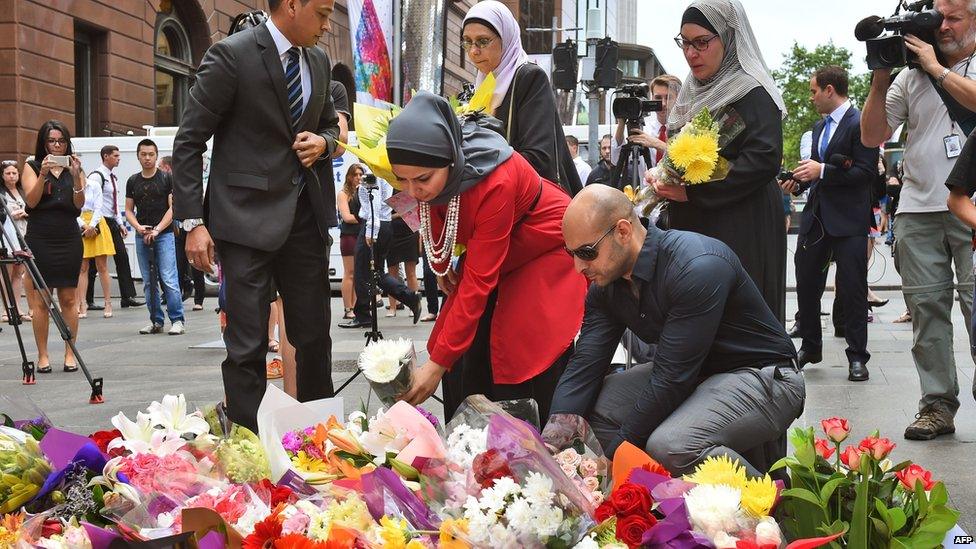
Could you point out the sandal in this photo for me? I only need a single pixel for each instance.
(197, 307)
(273, 346)
(274, 369)
(907, 317)
(83, 315)
(70, 367)
(390, 312)
(44, 369)
(349, 314)
(429, 317)
(107, 313)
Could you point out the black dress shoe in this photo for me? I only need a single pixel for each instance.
(93, 307)
(804, 357)
(355, 324)
(415, 309)
(880, 303)
(131, 302)
(857, 371)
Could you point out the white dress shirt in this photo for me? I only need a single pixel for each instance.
(582, 168)
(384, 212)
(835, 118)
(283, 45)
(652, 127)
(110, 206)
(806, 145)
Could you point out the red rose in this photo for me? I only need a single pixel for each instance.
(879, 448)
(488, 467)
(103, 438)
(913, 474)
(631, 499)
(630, 529)
(824, 448)
(605, 511)
(851, 457)
(279, 494)
(836, 428)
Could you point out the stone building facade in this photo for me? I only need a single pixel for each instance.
(107, 67)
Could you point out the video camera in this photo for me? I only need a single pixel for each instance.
(369, 181)
(634, 106)
(889, 52)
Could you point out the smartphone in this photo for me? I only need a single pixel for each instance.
(62, 161)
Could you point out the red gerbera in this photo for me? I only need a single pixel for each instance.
(266, 534)
(298, 541)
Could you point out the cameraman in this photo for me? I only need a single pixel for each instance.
(654, 136)
(930, 241)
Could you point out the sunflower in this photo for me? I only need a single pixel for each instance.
(719, 470)
(758, 496)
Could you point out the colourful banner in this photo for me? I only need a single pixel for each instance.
(371, 32)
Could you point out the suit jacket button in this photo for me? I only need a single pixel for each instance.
(295, 180)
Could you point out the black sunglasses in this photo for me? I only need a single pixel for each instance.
(589, 252)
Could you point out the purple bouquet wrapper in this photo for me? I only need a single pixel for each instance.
(385, 494)
(674, 532)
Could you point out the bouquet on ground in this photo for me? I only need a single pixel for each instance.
(859, 491)
(388, 365)
(579, 454)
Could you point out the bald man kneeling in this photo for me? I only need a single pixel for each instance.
(724, 377)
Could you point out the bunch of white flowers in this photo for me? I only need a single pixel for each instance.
(507, 512)
(382, 360)
(466, 442)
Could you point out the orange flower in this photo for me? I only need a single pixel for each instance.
(655, 467)
(345, 441)
(298, 541)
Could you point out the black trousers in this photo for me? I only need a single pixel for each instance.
(389, 283)
(190, 279)
(126, 287)
(300, 270)
(813, 254)
(471, 374)
(430, 287)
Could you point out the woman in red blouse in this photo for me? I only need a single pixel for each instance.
(515, 303)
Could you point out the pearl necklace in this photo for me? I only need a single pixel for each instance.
(437, 254)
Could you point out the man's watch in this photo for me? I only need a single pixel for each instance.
(188, 225)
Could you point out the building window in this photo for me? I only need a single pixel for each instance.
(536, 14)
(86, 78)
(174, 70)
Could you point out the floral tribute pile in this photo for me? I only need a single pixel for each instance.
(401, 480)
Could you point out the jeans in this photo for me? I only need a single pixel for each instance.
(162, 254)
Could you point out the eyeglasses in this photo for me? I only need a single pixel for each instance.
(60, 141)
(480, 43)
(700, 44)
(589, 252)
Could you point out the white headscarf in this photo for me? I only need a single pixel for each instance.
(742, 70)
(513, 56)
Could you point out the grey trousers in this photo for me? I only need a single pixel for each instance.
(743, 414)
(934, 256)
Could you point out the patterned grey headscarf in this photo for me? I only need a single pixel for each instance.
(742, 70)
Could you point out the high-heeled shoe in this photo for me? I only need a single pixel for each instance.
(879, 303)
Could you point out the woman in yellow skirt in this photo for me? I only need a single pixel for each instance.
(97, 241)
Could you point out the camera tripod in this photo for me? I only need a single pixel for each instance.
(632, 152)
(10, 255)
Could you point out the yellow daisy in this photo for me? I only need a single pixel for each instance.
(393, 533)
(691, 146)
(758, 496)
(308, 464)
(699, 171)
(719, 470)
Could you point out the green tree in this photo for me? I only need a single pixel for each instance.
(793, 79)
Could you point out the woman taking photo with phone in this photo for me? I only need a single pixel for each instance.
(54, 190)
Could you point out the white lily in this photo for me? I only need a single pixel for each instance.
(136, 435)
(171, 414)
(110, 480)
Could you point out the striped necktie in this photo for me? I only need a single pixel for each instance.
(293, 81)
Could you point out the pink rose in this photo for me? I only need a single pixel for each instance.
(879, 448)
(851, 457)
(589, 467)
(569, 457)
(591, 483)
(913, 474)
(824, 448)
(837, 429)
(295, 524)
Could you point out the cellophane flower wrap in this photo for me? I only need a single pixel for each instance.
(23, 469)
(388, 365)
(693, 155)
(579, 454)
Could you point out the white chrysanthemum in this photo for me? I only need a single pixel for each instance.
(472, 505)
(506, 486)
(464, 443)
(382, 360)
(548, 519)
(768, 532)
(493, 501)
(538, 489)
(500, 536)
(713, 508)
(479, 525)
(520, 516)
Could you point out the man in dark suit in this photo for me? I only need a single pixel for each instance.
(835, 222)
(263, 94)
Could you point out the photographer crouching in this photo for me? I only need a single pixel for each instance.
(653, 134)
(936, 99)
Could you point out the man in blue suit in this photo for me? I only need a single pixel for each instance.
(835, 222)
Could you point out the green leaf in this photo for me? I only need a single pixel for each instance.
(788, 461)
(803, 494)
(923, 502)
(881, 527)
(7, 420)
(900, 466)
(898, 519)
(859, 521)
(932, 529)
(828, 489)
(938, 495)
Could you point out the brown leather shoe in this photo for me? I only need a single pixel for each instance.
(932, 421)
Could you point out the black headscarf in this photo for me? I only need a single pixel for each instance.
(428, 126)
(696, 17)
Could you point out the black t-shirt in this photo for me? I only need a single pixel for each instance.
(151, 197)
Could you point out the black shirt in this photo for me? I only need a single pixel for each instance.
(151, 197)
(698, 305)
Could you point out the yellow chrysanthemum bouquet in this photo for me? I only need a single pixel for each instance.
(693, 155)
